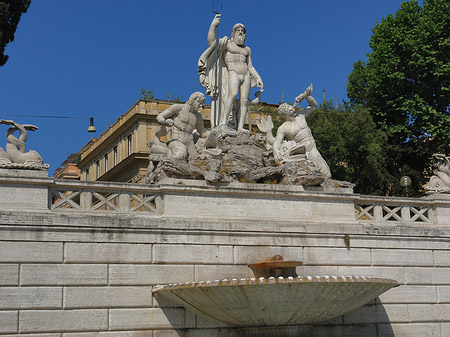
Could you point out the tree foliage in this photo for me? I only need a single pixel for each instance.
(146, 94)
(353, 147)
(10, 14)
(405, 84)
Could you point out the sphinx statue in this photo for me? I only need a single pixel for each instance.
(294, 139)
(16, 152)
(440, 181)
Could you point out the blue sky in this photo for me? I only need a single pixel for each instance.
(91, 58)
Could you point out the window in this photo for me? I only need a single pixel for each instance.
(106, 163)
(97, 163)
(87, 174)
(115, 155)
(130, 144)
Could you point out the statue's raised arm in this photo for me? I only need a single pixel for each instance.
(231, 60)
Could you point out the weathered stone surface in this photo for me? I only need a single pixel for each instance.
(11, 251)
(207, 254)
(63, 320)
(9, 274)
(151, 318)
(63, 274)
(244, 158)
(150, 274)
(107, 297)
(30, 297)
(411, 330)
(107, 253)
(8, 321)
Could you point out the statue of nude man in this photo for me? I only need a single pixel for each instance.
(296, 130)
(238, 61)
(184, 118)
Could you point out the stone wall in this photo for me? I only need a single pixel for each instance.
(89, 271)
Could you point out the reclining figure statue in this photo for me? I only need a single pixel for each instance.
(300, 141)
(440, 181)
(15, 148)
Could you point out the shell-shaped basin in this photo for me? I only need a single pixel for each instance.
(276, 301)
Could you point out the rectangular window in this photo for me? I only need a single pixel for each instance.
(106, 163)
(97, 163)
(87, 174)
(115, 155)
(130, 144)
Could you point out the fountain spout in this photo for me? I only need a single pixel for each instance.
(275, 266)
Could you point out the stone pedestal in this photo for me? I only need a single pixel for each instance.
(24, 188)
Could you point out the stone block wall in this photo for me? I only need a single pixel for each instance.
(85, 274)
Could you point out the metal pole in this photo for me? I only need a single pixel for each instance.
(216, 11)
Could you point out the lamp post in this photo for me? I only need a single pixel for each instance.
(405, 182)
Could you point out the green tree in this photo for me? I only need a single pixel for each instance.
(10, 14)
(405, 84)
(353, 147)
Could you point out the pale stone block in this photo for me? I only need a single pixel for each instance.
(109, 334)
(212, 273)
(24, 196)
(253, 254)
(410, 294)
(150, 274)
(443, 294)
(152, 318)
(376, 314)
(427, 275)
(393, 273)
(429, 312)
(107, 297)
(406, 243)
(63, 320)
(15, 251)
(108, 253)
(368, 330)
(9, 274)
(63, 274)
(393, 257)
(445, 329)
(207, 254)
(410, 330)
(442, 258)
(30, 298)
(336, 256)
(9, 321)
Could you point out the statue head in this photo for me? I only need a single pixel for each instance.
(286, 111)
(238, 34)
(196, 100)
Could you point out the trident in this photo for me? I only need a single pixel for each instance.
(216, 11)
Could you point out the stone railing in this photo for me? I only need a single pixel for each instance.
(103, 197)
(380, 209)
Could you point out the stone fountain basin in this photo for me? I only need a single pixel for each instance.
(276, 301)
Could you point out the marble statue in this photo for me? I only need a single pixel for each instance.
(185, 118)
(294, 137)
(440, 181)
(16, 152)
(236, 74)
